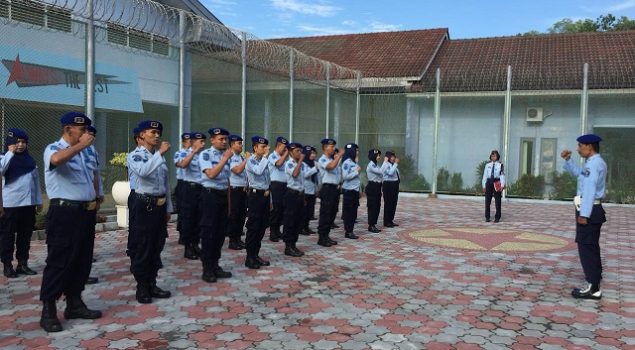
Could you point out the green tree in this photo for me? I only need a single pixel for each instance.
(604, 23)
(567, 25)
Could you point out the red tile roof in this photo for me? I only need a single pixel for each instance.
(546, 62)
(387, 54)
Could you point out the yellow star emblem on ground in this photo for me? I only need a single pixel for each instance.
(488, 239)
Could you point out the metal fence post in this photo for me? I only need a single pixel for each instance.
(243, 88)
(357, 106)
(584, 101)
(181, 72)
(90, 62)
(435, 138)
(328, 97)
(507, 117)
(291, 72)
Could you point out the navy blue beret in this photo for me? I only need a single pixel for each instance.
(234, 138)
(351, 145)
(373, 152)
(294, 145)
(150, 124)
(309, 148)
(14, 134)
(92, 129)
(328, 142)
(197, 135)
(186, 136)
(282, 140)
(589, 139)
(217, 131)
(75, 118)
(135, 131)
(259, 139)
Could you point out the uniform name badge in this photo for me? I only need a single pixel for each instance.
(577, 202)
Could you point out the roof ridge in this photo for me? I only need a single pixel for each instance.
(548, 35)
(362, 34)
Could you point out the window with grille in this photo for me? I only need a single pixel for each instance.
(139, 40)
(117, 34)
(58, 19)
(4, 8)
(28, 12)
(160, 45)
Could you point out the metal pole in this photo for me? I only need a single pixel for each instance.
(182, 22)
(507, 116)
(584, 101)
(435, 138)
(357, 106)
(90, 62)
(328, 97)
(291, 63)
(243, 88)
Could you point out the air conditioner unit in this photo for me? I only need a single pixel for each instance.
(535, 114)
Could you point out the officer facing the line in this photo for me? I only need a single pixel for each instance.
(328, 165)
(21, 198)
(589, 212)
(350, 188)
(277, 158)
(214, 163)
(390, 188)
(190, 211)
(258, 201)
(237, 193)
(293, 200)
(72, 198)
(310, 171)
(152, 206)
(375, 175)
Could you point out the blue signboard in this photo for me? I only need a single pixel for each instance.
(30, 75)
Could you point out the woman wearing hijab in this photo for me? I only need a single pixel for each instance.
(21, 199)
(350, 188)
(375, 175)
(309, 169)
(390, 188)
(493, 184)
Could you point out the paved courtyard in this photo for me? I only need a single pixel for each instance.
(443, 279)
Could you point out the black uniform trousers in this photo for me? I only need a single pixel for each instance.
(391, 195)
(213, 224)
(588, 239)
(147, 237)
(178, 196)
(328, 200)
(489, 192)
(237, 213)
(293, 215)
(257, 220)
(278, 190)
(70, 241)
(131, 224)
(349, 209)
(190, 212)
(373, 201)
(16, 228)
(309, 209)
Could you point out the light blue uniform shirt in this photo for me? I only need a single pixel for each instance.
(498, 172)
(258, 173)
(132, 178)
(294, 183)
(328, 176)
(350, 175)
(391, 173)
(23, 191)
(374, 172)
(71, 180)
(151, 171)
(208, 159)
(237, 180)
(91, 157)
(591, 181)
(192, 172)
(276, 173)
(178, 155)
(308, 172)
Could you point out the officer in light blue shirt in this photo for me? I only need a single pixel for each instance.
(72, 196)
(493, 182)
(277, 158)
(132, 180)
(375, 174)
(328, 165)
(237, 193)
(152, 206)
(293, 200)
(191, 188)
(350, 188)
(390, 188)
(21, 198)
(310, 171)
(590, 214)
(258, 201)
(180, 169)
(214, 164)
(91, 157)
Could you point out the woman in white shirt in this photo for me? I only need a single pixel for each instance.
(493, 183)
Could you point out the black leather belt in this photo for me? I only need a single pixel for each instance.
(238, 188)
(299, 193)
(328, 184)
(257, 191)
(87, 205)
(150, 199)
(193, 184)
(214, 191)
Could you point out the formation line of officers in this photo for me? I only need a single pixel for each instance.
(220, 190)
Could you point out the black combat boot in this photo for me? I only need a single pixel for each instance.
(373, 229)
(262, 261)
(219, 272)
(23, 268)
(350, 235)
(323, 241)
(274, 234)
(157, 292)
(9, 272)
(291, 250)
(252, 263)
(49, 321)
(143, 294)
(75, 308)
(190, 252)
(208, 272)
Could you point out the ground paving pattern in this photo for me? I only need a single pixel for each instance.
(384, 291)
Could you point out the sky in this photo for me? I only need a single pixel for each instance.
(268, 19)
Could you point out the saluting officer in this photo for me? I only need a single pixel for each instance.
(72, 198)
(132, 180)
(277, 158)
(589, 212)
(21, 198)
(492, 173)
(214, 163)
(390, 187)
(152, 206)
(350, 188)
(191, 187)
(293, 200)
(328, 165)
(258, 201)
(237, 193)
(375, 175)
(186, 142)
(310, 171)
(92, 161)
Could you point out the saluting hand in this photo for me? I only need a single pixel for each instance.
(197, 147)
(165, 146)
(247, 155)
(359, 168)
(11, 148)
(566, 154)
(86, 140)
(301, 156)
(228, 154)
